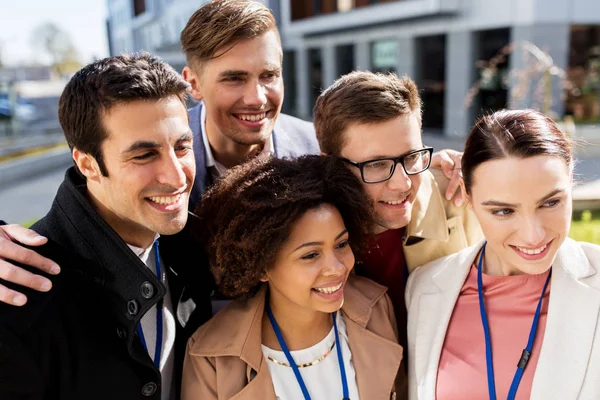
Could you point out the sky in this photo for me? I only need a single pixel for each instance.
(83, 20)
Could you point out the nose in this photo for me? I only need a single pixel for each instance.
(399, 180)
(171, 171)
(255, 94)
(532, 231)
(336, 265)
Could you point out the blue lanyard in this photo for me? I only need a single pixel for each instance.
(488, 343)
(159, 317)
(288, 355)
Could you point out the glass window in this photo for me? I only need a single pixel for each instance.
(431, 78)
(315, 68)
(583, 74)
(384, 55)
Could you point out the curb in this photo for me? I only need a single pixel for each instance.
(24, 167)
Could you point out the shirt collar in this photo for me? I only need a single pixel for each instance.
(268, 148)
(143, 253)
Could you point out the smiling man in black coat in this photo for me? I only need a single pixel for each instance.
(130, 294)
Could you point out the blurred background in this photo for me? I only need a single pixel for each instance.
(468, 57)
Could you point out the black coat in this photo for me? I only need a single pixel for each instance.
(78, 341)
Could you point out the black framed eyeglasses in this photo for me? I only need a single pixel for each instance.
(382, 169)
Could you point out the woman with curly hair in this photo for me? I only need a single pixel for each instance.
(281, 237)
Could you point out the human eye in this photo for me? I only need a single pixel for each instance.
(343, 244)
(233, 79)
(310, 256)
(143, 157)
(376, 164)
(183, 147)
(412, 158)
(502, 212)
(551, 203)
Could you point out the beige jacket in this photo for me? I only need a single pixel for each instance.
(224, 358)
(437, 227)
(569, 363)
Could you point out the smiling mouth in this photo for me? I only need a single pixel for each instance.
(329, 290)
(251, 117)
(532, 252)
(395, 202)
(166, 200)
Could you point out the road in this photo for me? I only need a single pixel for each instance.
(31, 199)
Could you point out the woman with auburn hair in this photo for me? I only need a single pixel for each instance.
(516, 316)
(281, 236)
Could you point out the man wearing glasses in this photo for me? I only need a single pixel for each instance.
(372, 122)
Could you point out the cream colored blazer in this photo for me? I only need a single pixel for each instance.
(569, 363)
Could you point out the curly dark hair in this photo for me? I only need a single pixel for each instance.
(248, 214)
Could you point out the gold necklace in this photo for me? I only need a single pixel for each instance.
(308, 364)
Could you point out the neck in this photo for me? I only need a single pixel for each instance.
(494, 265)
(301, 329)
(227, 152)
(132, 234)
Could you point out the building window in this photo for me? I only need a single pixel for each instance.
(139, 7)
(344, 59)
(302, 9)
(431, 78)
(384, 55)
(492, 70)
(289, 79)
(315, 68)
(583, 74)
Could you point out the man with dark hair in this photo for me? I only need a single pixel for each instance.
(373, 123)
(116, 323)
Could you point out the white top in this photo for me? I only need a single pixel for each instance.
(149, 325)
(219, 169)
(323, 380)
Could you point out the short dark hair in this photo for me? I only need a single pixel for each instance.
(101, 85)
(362, 97)
(221, 23)
(247, 215)
(513, 133)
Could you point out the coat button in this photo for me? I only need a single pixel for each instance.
(149, 389)
(121, 332)
(147, 290)
(132, 307)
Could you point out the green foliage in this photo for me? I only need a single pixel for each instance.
(585, 227)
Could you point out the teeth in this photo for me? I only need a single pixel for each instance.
(329, 290)
(165, 200)
(395, 202)
(532, 251)
(252, 117)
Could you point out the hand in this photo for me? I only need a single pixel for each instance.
(449, 162)
(10, 249)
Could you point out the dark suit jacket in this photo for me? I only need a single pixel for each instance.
(292, 137)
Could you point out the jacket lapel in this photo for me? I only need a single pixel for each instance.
(573, 317)
(376, 358)
(259, 387)
(433, 316)
(200, 182)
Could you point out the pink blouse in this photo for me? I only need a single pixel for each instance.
(510, 303)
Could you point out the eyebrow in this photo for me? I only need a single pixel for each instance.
(320, 243)
(239, 72)
(233, 72)
(379, 157)
(151, 145)
(502, 204)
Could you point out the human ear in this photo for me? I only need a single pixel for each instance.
(87, 165)
(194, 80)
